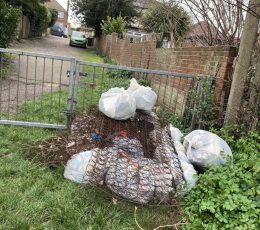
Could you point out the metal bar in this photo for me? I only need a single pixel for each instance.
(43, 76)
(158, 93)
(75, 90)
(141, 70)
(11, 51)
(32, 124)
(26, 81)
(84, 93)
(176, 98)
(102, 81)
(32, 54)
(187, 112)
(61, 68)
(1, 83)
(92, 85)
(34, 90)
(70, 93)
(9, 92)
(18, 85)
(194, 115)
(51, 102)
(165, 89)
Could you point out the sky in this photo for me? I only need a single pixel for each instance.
(63, 3)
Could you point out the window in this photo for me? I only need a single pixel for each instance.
(60, 14)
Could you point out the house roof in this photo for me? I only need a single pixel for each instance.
(53, 4)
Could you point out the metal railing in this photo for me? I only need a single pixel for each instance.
(34, 88)
(43, 90)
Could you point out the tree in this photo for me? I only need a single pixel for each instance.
(8, 24)
(38, 13)
(221, 21)
(248, 39)
(92, 12)
(113, 25)
(54, 17)
(167, 18)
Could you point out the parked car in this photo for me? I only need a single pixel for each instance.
(78, 38)
(59, 31)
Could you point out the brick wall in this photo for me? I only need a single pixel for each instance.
(214, 61)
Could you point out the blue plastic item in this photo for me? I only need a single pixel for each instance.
(96, 137)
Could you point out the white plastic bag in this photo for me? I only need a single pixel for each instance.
(190, 175)
(205, 149)
(145, 97)
(176, 134)
(77, 166)
(117, 104)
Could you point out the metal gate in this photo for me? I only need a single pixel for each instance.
(43, 90)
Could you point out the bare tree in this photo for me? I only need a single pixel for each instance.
(221, 21)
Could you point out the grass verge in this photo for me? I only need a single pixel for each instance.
(34, 197)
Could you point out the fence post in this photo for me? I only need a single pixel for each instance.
(76, 84)
(70, 112)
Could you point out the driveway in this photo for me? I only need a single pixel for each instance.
(30, 77)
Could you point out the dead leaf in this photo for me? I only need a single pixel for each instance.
(114, 201)
(71, 144)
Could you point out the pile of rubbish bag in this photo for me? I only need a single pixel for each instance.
(121, 104)
(124, 169)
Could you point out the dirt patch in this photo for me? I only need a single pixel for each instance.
(94, 130)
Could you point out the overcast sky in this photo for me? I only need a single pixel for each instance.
(63, 3)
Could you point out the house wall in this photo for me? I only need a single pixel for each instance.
(210, 61)
(53, 4)
(63, 21)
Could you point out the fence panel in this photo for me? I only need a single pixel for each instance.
(34, 88)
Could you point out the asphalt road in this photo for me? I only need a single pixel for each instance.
(30, 77)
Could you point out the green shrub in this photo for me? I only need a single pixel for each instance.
(7, 61)
(9, 18)
(144, 82)
(54, 17)
(40, 19)
(114, 25)
(227, 197)
(113, 73)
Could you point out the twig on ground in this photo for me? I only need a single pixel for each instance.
(136, 220)
(159, 227)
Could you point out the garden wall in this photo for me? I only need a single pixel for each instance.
(210, 61)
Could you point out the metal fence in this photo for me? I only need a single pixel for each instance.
(46, 91)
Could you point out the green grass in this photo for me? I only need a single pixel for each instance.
(34, 197)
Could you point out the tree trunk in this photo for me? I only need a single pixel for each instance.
(248, 39)
(254, 101)
(171, 40)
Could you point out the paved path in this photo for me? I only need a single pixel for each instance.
(30, 77)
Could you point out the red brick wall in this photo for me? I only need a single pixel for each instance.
(214, 61)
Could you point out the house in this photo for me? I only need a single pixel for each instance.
(142, 6)
(62, 13)
(201, 33)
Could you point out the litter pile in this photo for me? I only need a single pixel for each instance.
(133, 155)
